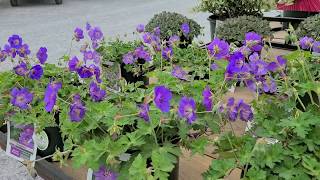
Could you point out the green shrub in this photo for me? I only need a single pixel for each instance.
(170, 22)
(310, 27)
(234, 29)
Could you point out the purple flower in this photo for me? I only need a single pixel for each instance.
(259, 67)
(236, 63)
(23, 51)
(179, 73)
(96, 93)
(254, 57)
(269, 85)
(140, 28)
(77, 110)
(185, 29)
(144, 112)
(280, 64)
(207, 99)
(88, 55)
(141, 53)
(85, 72)
(315, 47)
(21, 69)
(306, 42)
(187, 108)
(251, 84)
(218, 48)
(78, 34)
(88, 26)
(157, 31)
(36, 72)
(96, 71)
(96, 34)
(245, 111)
(10, 51)
(173, 39)
(245, 50)
(167, 53)
(105, 174)
(214, 66)
(42, 55)
(15, 41)
(162, 98)
(147, 37)
(74, 64)
(129, 58)
(253, 41)
(21, 97)
(50, 96)
(3, 55)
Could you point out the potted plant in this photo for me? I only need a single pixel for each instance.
(223, 9)
(280, 144)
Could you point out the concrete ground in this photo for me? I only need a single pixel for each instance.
(42, 23)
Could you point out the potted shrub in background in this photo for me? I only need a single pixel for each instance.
(309, 27)
(233, 30)
(223, 9)
(171, 24)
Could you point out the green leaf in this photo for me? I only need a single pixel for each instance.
(256, 174)
(138, 170)
(219, 169)
(199, 145)
(312, 165)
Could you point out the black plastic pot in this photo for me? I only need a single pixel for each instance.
(215, 22)
(296, 14)
(306, 100)
(3, 129)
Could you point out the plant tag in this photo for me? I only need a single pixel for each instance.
(90, 174)
(20, 142)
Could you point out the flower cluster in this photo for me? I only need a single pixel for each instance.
(25, 137)
(237, 110)
(97, 94)
(248, 66)
(21, 98)
(308, 43)
(218, 48)
(140, 53)
(153, 39)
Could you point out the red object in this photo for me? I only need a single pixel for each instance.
(302, 5)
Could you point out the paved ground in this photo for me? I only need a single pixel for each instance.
(42, 23)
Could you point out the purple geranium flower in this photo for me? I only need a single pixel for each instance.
(10, 51)
(15, 41)
(140, 28)
(129, 58)
(162, 98)
(245, 111)
(50, 96)
(21, 97)
(88, 55)
(187, 109)
(245, 51)
(207, 99)
(42, 55)
(85, 72)
(167, 53)
(95, 34)
(179, 73)
(141, 53)
(78, 34)
(144, 112)
(185, 28)
(259, 67)
(214, 66)
(253, 41)
(74, 64)
(269, 85)
(173, 39)
(105, 174)
(147, 37)
(23, 51)
(21, 69)
(254, 57)
(218, 48)
(157, 31)
(236, 63)
(36, 72)
(77, 110)
(306, 42)
(315, 47)
(3, 55)
(96, 93)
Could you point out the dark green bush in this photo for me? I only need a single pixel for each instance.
(234, 29)
(170, 22)
(310, 27)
